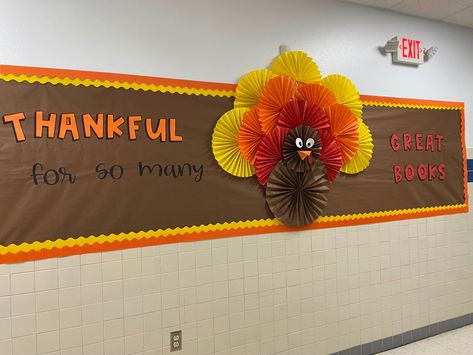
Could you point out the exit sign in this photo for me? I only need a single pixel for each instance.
(406, 50)
(409, 51)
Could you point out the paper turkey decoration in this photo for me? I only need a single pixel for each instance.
(296, 131)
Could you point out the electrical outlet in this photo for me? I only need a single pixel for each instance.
(176, 340)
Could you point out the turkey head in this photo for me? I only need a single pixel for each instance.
(301, 148)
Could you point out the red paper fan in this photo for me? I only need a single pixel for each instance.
(317, 94)
(250, 135)
(331, 155)
(277, 93)
(300, 112)
(344, 127)
(269, 153)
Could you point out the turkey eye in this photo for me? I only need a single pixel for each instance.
(299, 143)
(310, 143)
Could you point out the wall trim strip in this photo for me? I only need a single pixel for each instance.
(408, 337)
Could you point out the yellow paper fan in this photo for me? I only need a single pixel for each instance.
(362, 157)
(345, 92)
(225, 144)
(297, 65)
(250, 87)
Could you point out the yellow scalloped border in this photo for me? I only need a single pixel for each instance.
(163, 233)
(179, 90)
(418, 106)
(115, 84)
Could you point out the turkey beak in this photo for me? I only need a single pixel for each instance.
(304, 153)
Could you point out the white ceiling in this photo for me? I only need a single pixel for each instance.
(459, 12)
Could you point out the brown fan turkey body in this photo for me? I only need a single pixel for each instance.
(296, 191)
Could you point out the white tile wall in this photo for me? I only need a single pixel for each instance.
(310, 292)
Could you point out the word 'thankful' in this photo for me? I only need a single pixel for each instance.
(107, 126)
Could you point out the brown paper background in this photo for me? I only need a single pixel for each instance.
(93, 207)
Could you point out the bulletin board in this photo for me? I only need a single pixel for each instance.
(96, 161)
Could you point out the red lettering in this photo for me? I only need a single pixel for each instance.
(442, 173)
(429, 143)
(432, 172)
(394, 140)
(439, 139)
(409, 171)
(419, 51)
(419, 141)
(410, 42)
(397, 174)
(407, 137)
(422, 172)
(404, 47)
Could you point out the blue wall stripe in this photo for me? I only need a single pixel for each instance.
(469, 164)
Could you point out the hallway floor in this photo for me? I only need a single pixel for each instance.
(458, 341)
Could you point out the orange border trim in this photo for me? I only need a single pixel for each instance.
(82, 245)
(370, 100)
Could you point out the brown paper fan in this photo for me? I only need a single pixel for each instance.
(301, 148)
(318, 95)
(250, 135)
(301, 112)
(269, 153)
(277, 93)
(331, 155)
(297, 199)
(344, 127)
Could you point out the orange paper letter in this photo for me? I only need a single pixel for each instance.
(15, 120)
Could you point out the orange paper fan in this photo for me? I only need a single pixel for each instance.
(317, 94)
(331, 155)
(250, 87)
(363, 155)
(344, 128)
(277, 93)
(250, 135)
(301, 112)
(269, 153)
